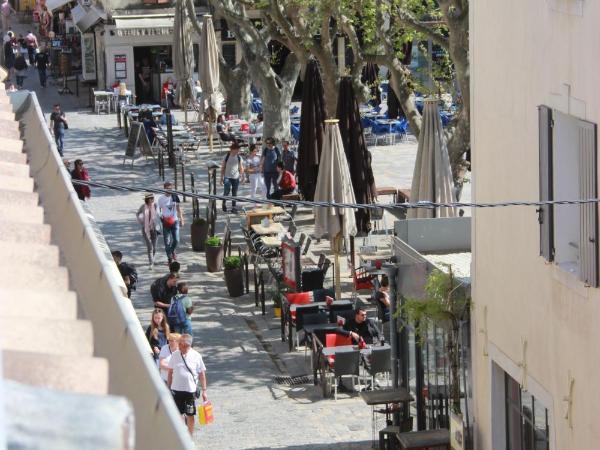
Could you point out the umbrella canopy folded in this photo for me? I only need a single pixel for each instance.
(370, 77)
(432, 178)
(209, 68)
(359, 158)
(311, 130)
(183, 57)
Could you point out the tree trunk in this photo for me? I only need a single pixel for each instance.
(237, 86)
(453, 358)
(400, 83)
(276, 111)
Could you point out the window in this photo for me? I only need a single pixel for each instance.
(526, 419)
(568, 233)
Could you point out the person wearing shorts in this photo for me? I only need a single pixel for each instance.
(186, 373)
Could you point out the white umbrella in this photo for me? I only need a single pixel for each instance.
(183, 57)
(211, 98)
(334, 185)
(432, 178)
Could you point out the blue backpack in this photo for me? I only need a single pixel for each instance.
(176, 314)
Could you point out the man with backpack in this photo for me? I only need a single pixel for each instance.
(180, 311)
(232, 169)
(127, 271)
(163, 290)
(270, 157)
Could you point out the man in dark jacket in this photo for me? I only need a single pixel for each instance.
(361, 327)
(163, 290)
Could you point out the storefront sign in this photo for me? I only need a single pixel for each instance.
(145, 32)
(226, 33)
(120, 67)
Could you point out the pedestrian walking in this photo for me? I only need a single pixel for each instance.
(32, 45)
(289, 157)
(270, 156)
(41, 62)
(165, 355)
(9, 53)
(232, 169)
(148, 218)
(187, 376)
(81, 173)
(257, 182)
(169, 208)
(157, 332)
(58, 125)
(127, 271)
(6, 12)
(20, 70)
(180, 310)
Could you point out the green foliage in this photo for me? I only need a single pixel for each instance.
(232, 262)
(213, 241)
(199, 221)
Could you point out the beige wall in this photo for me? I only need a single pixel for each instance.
(523, 54)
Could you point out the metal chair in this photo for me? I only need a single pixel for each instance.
(337, 310)
(301, 239)
(380, 362)
(317, 318)
(307, 246)
(347, 363)
(298, 321)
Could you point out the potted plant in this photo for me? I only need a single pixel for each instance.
(234, 276)
(277, 294)
(199, 231)
(214, 254)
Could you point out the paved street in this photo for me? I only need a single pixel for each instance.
(242, 350)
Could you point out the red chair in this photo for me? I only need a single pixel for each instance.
(299, 298)
(362, 281)
(335, 340)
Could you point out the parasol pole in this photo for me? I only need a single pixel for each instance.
(338, 284)
(210, 137)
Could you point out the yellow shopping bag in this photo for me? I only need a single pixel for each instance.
(205, 413)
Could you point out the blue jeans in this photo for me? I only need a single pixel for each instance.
(42, 74)
(59, 134)
(171, 237)
(230, 185)
(270, 180)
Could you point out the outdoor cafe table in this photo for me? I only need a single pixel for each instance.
(274, 228)
(386, 397)
(271, 241)
(257, 214)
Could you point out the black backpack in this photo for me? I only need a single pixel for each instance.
(129, 270)
(227, 158)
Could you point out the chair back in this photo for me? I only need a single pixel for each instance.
(307, 246)
(301, 239)
(317, 318)
(335, 340)
(298, 298)
(339, 310)
(381, 360)
(326, 265)
(321, 260)
(302, 312)
(346, 363)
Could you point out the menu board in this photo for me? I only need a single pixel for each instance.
(120, 67)
(134, 138)
(89, 56)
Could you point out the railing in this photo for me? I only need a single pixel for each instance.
(100, 289)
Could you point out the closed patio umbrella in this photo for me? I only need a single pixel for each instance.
(209, 74)
(432, 177)
(359, 158)
(183, 57)
(334, 185)
(311, 130)
(370, 78)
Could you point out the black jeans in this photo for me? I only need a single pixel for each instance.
(281, 192)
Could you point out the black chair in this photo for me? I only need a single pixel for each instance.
(301, 239)
(292, 230)
(318, 318)
(321, 261)
(326, 266)
(307, 246)
(345, 310)
(301, 311)
(347, 363)
(380, 362)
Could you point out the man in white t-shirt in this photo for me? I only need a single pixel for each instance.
(172, 218)
(165, 355)
(186, 371)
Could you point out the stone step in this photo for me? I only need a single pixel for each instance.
(85, 375)
(11, 143)
(14, 170)
(14, 157)
(8, 197)
(21, 184)
(23, 302)
(5, 115)
(9, 129)
(34, 276)
(56, 337)
(38, 254)
(33, 233)
(15, 212)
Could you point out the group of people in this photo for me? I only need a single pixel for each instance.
(24, 52)
(272, 173)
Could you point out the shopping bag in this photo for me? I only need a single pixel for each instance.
(205, 413)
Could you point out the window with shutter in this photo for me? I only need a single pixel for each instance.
(545, 218)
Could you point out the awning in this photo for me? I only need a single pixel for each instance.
(55, 4)
(85, 18)
(147, 26)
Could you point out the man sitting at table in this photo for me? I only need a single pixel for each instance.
(223, 130)
(360, 327)
(286, 182)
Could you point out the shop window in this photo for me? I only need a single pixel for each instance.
(527, 426)
(568, 233)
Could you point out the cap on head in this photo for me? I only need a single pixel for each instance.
(149, 196)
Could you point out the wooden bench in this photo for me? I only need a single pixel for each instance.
(388, 190)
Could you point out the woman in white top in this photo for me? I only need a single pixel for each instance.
(257, 182)
(148, 218)
(165, 355)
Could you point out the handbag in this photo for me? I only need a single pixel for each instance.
(198, 388)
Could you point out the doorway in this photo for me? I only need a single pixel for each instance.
(149, 63)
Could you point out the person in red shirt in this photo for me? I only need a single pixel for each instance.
(287, 182)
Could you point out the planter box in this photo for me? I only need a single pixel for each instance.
(198, 233)
(214, 258)
(234, 279)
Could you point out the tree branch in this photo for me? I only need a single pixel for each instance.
(409, 21)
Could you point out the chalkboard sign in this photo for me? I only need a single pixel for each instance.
(145, 145)
(134, 137)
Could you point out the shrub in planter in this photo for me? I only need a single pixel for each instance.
(214, 254)
(234, 276)
(198, 232)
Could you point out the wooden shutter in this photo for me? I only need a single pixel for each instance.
(588, 236)
(545, 213)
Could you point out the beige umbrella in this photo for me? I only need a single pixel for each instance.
(334, 185)
(432, 178)
(183, 57)
(209, 74)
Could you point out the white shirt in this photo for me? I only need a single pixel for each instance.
(182, 378)
(168, 207)
(165, 353)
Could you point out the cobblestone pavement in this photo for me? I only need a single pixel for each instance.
(241, 348)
